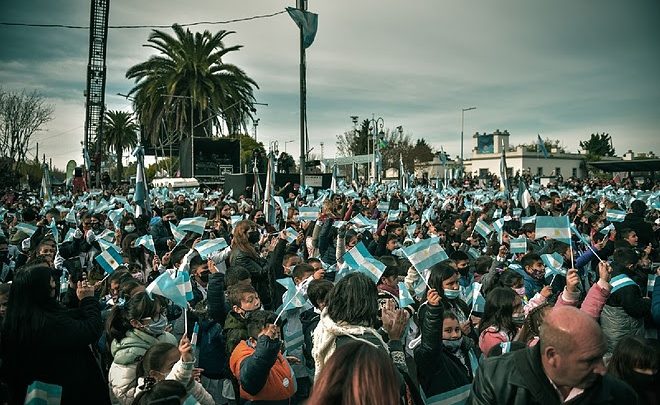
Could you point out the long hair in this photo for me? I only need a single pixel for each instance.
(239, 240)
(357, 374)
(633, 352)
(154, 359)
(438, 273)
(29, 303)
(354, 301)
(138, 307)
(532, 326)
(499, 310)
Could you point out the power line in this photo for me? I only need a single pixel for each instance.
(82, 27)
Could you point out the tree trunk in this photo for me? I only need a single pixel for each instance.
(120, 168)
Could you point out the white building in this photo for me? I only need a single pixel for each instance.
(487, 153)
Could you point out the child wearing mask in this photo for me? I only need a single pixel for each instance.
(503, 315)
(133, 328)
(533, 272)
(446, 360)
(243, 300)
(164, 361)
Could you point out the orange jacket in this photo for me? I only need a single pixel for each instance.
(280, 383)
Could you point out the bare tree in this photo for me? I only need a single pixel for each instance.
(21, 115)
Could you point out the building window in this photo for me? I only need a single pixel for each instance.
(574, 172)
(539, 171)
(557, 171)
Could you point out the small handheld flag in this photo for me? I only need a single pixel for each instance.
(109, 260)
(147, 241)
(196, 225)
(209, 246)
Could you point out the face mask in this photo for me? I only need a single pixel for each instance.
(261, 220)
(157, 328)
(254, 236)
(232, 212)
(246, 312)
(129, 228)
(96, 228)
(641, 381)
(518, 319)
(451, 294)
(548, 206)
(520, 291)
(205, 276)
(452, 345)
(537, 274)
(601, 206)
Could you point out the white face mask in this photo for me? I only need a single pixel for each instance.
(129, 228)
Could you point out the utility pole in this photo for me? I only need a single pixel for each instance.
(321, 150)
(302, 5)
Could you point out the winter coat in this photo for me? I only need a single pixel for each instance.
(438, 369)
(517, 378)
(213, 357)
(161, 233)
(234, 331)
(593, 303)
(127, 352)
(61, 356)
(328, 242)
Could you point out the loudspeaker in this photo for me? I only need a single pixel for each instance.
(213, 156)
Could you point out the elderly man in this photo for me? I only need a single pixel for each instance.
(566, 366)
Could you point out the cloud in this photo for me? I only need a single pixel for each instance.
(564, 69)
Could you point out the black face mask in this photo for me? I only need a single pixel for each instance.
(254, 236)
(205, 276)
(261, 220)
(641, 381)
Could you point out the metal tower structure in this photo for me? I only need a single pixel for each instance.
(95, 92)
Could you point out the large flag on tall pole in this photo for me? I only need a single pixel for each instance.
(403, 178)
(541, 146)
(46, 190)
(504, 176)
(256, 187)
(354, 172)
(524, 197)
(333, 183)
(141, 196)
(269, 201)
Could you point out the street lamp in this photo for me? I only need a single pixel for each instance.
(256, 124)
(462, 125)
(285, 142)
(375, 122)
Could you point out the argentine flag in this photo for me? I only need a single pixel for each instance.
(109, 260)
(71, 217)
(405, 299)
(209, 246)
(362, 221)
(393, 215)
(26, 228)
(292, 298)
(177, 233)
(483, 228)
(361, 260)
(553, 263)
(176, 288)
(615, 215)
(40, 393)
(196, 225)
(577, 233)
(425, 253)
(147, 241)
(115, 216)
(308, 213)
(519, 245)
(554, 228)
(291, 234)
(470, 293)
(528, 220)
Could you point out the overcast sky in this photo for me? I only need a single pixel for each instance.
(561, 68)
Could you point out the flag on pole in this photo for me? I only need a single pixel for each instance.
(541, 146)
(334, 181)
(115, 216)
(307, 22)
(359, 258)
(177, 233)
(269, 202)
(291, 234)
(196, 225)
(557, 228)
(405, 298)
(524, 197)
(403, 178)
(256, 186)
(175, 287)
(519, 245)
(308, 213)
(577, 233)
(615, 215)
(424, 254)
(209, 246)
(553, 264)
(141, 196)
(40, 393)
(53, 229)
(109, 260)
(46, 190)
(292, 297)
(470, 293)
(147, 241)
(482, 228)
(504, 175)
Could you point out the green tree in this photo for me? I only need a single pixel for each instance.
(422, 151)
(597, 146)
(119, 133)
(285, 163)
(189, 69)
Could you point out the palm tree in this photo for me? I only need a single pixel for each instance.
(190, 69)
(119, 134)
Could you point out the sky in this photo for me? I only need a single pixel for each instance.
(563, 68)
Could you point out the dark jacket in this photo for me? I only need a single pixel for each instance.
(263, 272)
(161, 233)
(60, 355)
(309, 320)
(234, 331)
(643, 229)
(213, 356)
(438, 370)
(328, 242)
(518, 378)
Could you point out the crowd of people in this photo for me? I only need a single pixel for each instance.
(357, 295)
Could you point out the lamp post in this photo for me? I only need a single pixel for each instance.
(375, 122)
(256, 124)
(462, 125)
